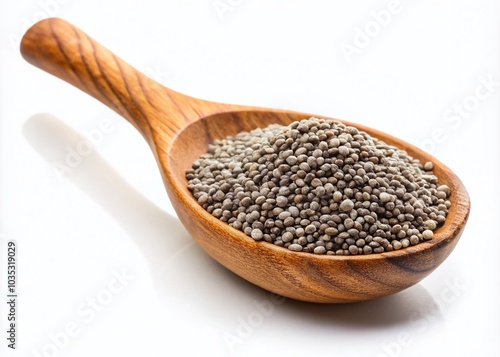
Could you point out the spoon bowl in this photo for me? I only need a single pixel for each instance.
(179, 128)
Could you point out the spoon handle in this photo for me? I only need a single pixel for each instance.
(65, 51)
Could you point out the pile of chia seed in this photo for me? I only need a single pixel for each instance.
(321, 187)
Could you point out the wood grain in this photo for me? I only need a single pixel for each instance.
(178, 128)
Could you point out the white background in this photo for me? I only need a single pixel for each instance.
(110, 216)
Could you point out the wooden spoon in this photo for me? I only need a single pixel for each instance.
(178, 128)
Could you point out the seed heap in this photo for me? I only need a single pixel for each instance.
(320, 186)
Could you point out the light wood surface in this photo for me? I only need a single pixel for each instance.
(178, 128)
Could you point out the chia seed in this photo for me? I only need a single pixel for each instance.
(321, 187)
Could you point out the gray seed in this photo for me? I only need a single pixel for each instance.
(346, 205)
(295, 247)
(219, 196)
(319, 250)
(321, 187)
(343, 150)
(284, 215)
(334, 143)
(287, 237)
(396, 229)
(444, 188)
(281, 201)
(310, 229)
(353, 249)
(316, 182)
(203, 199)
(291, 160)
(247, 201)
(331, 231)
(260, 200)
(337, 196)
(430, 224)
(294, 211)
(257, 234)
(360, 243)
(427, 234)
(349, 223)
(385, 197)
(329, 188)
